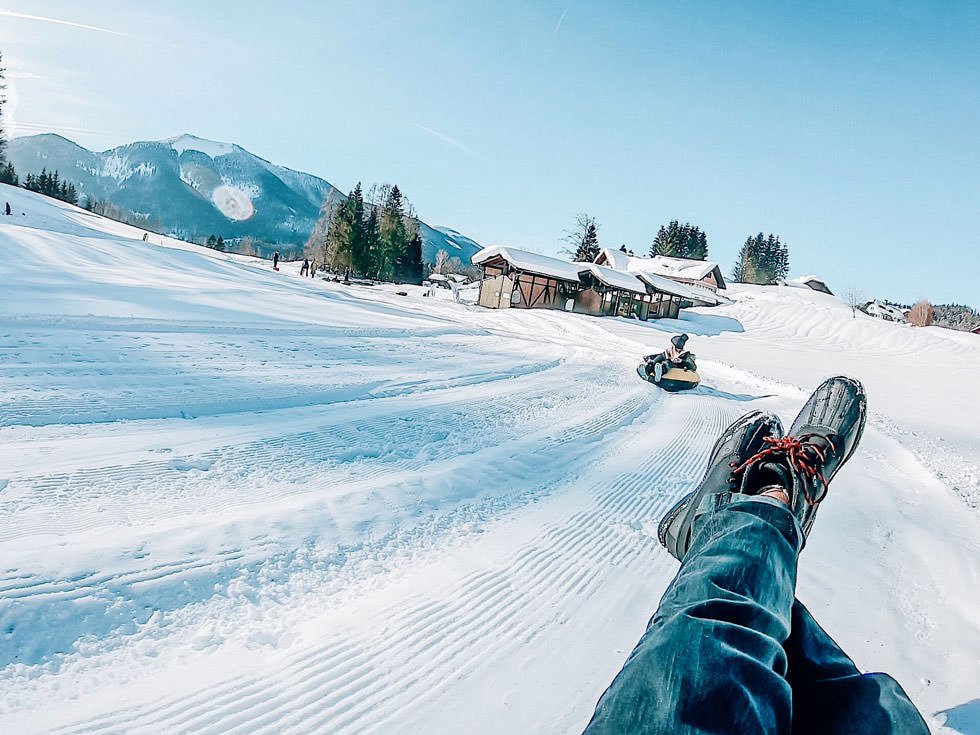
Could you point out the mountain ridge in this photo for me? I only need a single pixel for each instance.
(192, 187)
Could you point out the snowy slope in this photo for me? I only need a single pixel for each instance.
(241, 501)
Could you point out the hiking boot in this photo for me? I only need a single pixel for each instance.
(744, 438)
(658, 372)
(822, 438)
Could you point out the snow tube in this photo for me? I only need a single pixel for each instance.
(673, 380)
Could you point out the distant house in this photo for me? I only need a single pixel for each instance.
(702, 276)
(975, 330)
(880, 310)
(810, 282)
(518, 279)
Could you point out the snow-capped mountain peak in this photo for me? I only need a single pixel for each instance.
(212, 148)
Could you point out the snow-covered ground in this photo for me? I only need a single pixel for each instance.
(241, 501)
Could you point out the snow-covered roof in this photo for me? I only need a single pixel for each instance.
(811, 281)
(533, 262)
(666, 285)
(661, 265)
(876, 307)
(614, 278)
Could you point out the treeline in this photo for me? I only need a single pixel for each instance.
(763, 259)
(956, 316)
(375, 236)
(215, 243)
(51, 185)
(673, 240)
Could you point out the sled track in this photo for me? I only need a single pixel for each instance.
(389, 438)
(131, 594)
(345, 685)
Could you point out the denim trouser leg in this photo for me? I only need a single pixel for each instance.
(712, 659)
(830, 695)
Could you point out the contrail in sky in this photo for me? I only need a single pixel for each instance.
(25, 16)
(444, 138)
(560, 21)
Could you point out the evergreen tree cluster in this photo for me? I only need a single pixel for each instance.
(3, 135)
(677, 240)
(956, 316)
(762, 260)
(8, 175)
(377, 237)
(51, 185)
(584, 239)
(215, 243)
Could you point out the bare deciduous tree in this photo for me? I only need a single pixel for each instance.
(854, 297)
(921, 314)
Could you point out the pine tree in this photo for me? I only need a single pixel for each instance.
(211, 242)
(584, 238)
(356, 242)
(3, 135)
(8, 174)
(680, 241)
(762, 260)
(219, 244)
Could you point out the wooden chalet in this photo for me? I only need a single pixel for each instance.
(515, 278)
(518, 279)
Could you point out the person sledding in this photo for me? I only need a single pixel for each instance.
(674, 356)
(730, 649)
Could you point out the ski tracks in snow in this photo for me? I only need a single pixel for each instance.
(382, 663)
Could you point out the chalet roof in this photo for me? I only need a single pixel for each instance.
(875, 306)
(531, 262)
(614, 278)
(661, 265)
(665, 285)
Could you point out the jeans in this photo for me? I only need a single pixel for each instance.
(731, 650)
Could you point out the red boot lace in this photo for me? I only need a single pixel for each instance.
(800, 453)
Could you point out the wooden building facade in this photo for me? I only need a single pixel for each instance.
(517, 279)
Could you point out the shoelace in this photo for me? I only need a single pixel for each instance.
(800, 453)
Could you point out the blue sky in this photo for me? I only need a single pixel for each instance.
(851, 129)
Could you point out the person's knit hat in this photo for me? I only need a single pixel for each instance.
(679, 341)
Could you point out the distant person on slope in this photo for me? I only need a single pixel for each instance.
(7, 209)
(275, 261)
(730, 649)
(304, 269)
(674, 356)
(312, 269)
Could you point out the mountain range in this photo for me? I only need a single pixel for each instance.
(191, 188)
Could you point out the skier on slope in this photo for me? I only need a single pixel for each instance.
(305, 268)
(275, 261)
(674, 356)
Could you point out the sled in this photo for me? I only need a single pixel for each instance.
(673, 380)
